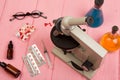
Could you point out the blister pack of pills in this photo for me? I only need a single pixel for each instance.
(31, 65)
(33, 60)
(40, 60)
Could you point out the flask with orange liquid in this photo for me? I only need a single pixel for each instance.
(111, 40)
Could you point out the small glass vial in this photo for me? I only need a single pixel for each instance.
(10, 51)
(10, 69)
(111, 40)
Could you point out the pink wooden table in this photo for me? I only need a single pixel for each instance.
(53, 9)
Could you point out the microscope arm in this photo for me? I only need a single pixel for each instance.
(88, 46)
(68, 23)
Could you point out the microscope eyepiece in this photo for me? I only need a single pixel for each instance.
(89, 20)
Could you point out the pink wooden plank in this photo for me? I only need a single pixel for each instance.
(52, 9)
(8, 31)
(109, 69)
(2, 6)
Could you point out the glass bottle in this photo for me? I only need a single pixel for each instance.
(10, 69)
(10, 51)
(96, 13)
(111, 40)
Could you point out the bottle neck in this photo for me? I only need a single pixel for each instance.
(113, 36)
(97, 7)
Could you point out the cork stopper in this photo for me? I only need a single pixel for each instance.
(98, 3)
(2, 64)
(114, 29)
(10, 45)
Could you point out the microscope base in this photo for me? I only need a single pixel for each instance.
(70, 57)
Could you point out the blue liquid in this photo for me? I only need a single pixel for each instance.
(97, 16)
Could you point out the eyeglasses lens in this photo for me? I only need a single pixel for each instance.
(36, 14)
(19, 15)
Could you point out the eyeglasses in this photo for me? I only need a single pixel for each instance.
(34, 14)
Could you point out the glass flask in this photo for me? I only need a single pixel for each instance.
(111, 40)
(96, 13)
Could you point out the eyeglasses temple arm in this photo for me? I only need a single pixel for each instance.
(45, 17)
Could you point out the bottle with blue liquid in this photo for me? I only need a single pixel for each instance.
(96, 13)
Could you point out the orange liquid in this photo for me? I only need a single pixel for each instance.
(110, 42)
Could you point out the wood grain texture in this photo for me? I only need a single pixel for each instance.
(53, 9)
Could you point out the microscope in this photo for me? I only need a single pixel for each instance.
(75, 47)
